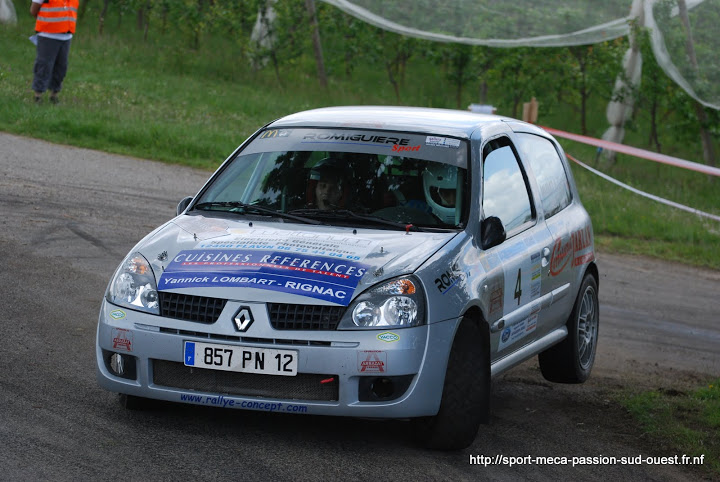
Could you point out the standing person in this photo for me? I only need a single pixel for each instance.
(55, 26)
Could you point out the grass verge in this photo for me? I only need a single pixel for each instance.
(682, 423)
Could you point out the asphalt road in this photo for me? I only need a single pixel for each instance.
(68, 217)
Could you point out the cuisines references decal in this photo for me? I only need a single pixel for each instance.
(307, 264)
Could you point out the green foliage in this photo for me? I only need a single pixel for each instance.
(683, 423)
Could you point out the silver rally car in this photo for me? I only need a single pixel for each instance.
(361, 261)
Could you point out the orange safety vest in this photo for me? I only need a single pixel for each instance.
(57, 16)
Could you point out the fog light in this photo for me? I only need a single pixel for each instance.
(117, 364)
(120, 365)
(382, 388)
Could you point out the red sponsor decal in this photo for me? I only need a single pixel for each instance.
(372, 361)
(561, 255)
(583, 259)
(496, 299)
(122, 339)
(397, 148)
(582, 239)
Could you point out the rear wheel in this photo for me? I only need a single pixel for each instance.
(466, 393)
(571, 360)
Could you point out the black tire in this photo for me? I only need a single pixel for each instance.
(571, 360)
(466, 393)
(131, 402)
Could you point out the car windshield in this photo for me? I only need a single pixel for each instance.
(347, 177)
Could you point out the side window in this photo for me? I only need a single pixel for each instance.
(549, 172)
(505, 192)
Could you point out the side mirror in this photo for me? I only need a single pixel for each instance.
(492, 232)
(182, 205)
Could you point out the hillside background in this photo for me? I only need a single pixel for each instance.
(185, 82)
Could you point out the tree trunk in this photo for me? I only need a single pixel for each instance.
(390, 67)
(654, 139)
(317, 46)
(81, 12)
(101, 21)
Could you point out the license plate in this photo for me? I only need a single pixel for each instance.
(266, 361)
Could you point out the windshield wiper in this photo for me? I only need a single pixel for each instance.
(243, 208)
(347, 214)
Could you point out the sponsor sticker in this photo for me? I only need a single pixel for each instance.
(577, 248)
(272, 133)
(317, 265)
(372, 361)
(497, 295)
(329, 279)
(351, 138)
(436, 141)
(561, 254)
(117, 314)
(388, 337)
(520, 330)
(448, 279)
(202, 228)
(122, 339)
(350, 247)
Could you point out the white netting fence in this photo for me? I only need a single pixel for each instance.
(7, 12)
(690, 60)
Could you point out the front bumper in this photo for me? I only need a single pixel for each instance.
(345, 373)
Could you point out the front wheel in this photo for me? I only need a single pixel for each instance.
(466, 393)
(571, 360)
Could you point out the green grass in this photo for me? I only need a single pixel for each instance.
(682, 423)
(161, 100)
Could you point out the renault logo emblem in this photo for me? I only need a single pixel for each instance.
(243, 319)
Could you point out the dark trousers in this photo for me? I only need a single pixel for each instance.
(50, 64)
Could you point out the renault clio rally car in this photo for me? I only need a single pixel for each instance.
(361, 261)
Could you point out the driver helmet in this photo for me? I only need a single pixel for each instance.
(440, 186)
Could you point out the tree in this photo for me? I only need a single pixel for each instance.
(317, 45)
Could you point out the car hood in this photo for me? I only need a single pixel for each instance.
(283, 262)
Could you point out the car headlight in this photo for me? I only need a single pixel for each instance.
(133, 286)
(397, 303)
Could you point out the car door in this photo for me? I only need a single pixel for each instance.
(555, 198)
(506, 194)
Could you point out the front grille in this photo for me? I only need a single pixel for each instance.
(190, 308)
(304, 317)
(303, 386)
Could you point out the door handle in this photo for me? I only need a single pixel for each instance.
(545, 256)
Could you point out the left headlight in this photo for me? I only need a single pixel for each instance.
(133, 286)
(397, 303)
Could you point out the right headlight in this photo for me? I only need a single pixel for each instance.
(397, 303)
(133, 286)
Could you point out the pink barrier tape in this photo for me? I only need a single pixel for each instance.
(643, 193)
(634, 151)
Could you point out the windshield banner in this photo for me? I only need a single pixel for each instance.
(329, 279)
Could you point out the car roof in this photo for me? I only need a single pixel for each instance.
(449, 122)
